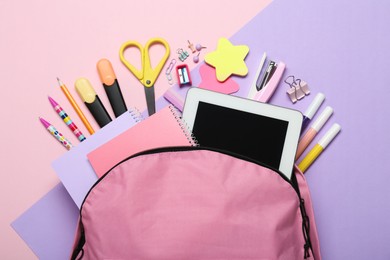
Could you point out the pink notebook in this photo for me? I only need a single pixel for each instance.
(162, 129)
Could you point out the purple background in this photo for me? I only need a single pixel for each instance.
(341, 49)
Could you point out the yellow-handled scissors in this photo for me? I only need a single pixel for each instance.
(147, 75)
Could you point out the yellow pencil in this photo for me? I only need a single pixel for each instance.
(319, 147)
(76, 107)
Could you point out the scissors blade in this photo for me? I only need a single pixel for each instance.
(150, 102)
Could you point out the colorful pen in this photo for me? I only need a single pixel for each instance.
(72, 126)
(75, 107)
(92, 101)
(313, 130)
(111, 86)
(52, 130)
(312, 110)
(319, 147)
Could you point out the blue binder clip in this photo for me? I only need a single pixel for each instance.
(183, 55)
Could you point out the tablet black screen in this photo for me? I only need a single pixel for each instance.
(255, 136)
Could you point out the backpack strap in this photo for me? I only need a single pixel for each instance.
(305, 218)
(78, 249)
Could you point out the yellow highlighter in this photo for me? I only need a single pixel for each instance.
(92, 101)
(319, 147)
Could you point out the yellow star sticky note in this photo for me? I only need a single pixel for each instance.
(228, 59)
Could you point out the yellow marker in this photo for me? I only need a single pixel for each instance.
(92, 101)
(319, 147)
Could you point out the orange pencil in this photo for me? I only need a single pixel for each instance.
(76, 107)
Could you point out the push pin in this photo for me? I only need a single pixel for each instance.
(199, 47)
(191, 47)
(196, 58)
(298, 89)
(183, 55)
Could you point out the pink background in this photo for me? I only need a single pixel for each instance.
(43, 39)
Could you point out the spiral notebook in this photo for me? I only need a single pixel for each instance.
(73, 167)
(162, 129)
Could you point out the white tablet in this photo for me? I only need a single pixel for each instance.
(263, 132)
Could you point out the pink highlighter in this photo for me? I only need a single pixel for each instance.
(266, 93)
(312, 131)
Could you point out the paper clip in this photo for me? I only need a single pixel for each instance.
(183, 55)
(298, 89)
(170, 66)
(168, 72)
(170, 79)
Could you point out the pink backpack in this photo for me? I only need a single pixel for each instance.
(196, 203)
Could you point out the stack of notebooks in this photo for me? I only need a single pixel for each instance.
(82, 166)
